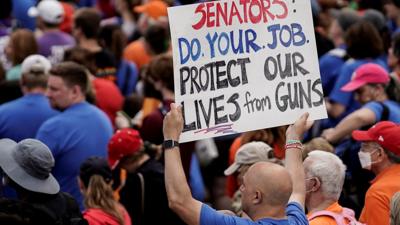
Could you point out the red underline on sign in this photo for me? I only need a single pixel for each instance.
(224, 128)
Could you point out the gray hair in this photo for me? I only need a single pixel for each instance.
(329, 169)
(395, 209)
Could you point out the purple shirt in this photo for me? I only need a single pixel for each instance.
(53, 43)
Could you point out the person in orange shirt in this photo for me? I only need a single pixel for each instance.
(380, 153)
(325, 174)
(152, 25)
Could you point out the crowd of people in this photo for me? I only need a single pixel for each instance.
(89, 131)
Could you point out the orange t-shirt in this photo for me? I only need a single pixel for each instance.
(376, 210)
(326, 220)
(136, 52)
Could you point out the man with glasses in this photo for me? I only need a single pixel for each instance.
(380, 153)
(325, 175)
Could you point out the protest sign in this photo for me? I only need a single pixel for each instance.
(242, 65)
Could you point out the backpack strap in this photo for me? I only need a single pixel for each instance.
(385, 112)
(73, 214)
(141, 178)
(339, 218)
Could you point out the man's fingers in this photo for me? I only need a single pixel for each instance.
(309, 124)
(305, 116)
(179, 108)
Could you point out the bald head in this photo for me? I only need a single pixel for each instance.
(272, 180)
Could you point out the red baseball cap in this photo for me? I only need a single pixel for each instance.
(369, 73)
(385, 133)
(124, 142)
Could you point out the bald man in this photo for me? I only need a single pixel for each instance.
(271, 194)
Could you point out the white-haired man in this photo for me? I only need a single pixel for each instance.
(325, 174)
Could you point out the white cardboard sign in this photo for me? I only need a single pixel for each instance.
(242, 65)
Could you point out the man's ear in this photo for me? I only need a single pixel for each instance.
(316, 184)
(77, 91)
(257, 197)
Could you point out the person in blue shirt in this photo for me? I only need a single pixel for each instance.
(375, 90)
(271, 194)
(80, 131)
(330, 63)
(358, 36)
(21, 118)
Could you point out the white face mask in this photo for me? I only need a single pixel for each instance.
(365, 159)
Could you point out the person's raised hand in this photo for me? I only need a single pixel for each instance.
(296, 131)
(173, 123)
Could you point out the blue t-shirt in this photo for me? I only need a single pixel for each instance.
(127, 77)
(20, 12)
(329, 66)
(345, 74)
(394, 110)
(21, 118)
(79, 132)
(294, 212)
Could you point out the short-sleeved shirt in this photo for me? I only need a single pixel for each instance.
(79, 132)
(52, 45)
(14, 73)
(377, 200)
(393, 107)
(346, 98)
(108, 97)
(21, 118)
(294, 212)
(329, 66)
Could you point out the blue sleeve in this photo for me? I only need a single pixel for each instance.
(328, 66)
(208, 216)
(338, 95)
(295, 214)
(376, 108)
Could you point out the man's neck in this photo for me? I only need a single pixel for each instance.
(77, 101)
(382, 166)
(50, 29)
(89, 44)
(338, 42)
(138, 164)
(316, 205)
(381, 98)
(35, 90)
(167, 94)
(269, 212)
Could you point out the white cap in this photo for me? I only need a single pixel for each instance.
(51, 11)
(35, 63)
(248, 154)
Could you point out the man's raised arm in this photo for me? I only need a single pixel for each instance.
(180, 199)
(294, 161)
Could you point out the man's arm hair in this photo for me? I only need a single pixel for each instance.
(294, 160)
(354, 121)
(180, 199)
